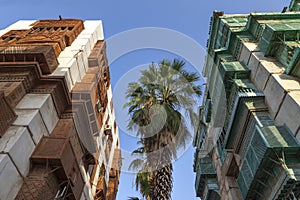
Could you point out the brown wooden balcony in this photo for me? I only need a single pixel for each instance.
(58, 154)
(42, 43)
(7, 114)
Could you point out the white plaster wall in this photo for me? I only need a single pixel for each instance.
(81, 63)
(33, 121)
(253, 64)
(264, 69)
(276, 88)
(272, 67)
(65, 72)
(44, 103)
(109, 95)
(261, 77)
(255, 59)
(84, 45)
(281, 90)
(2, 32)
(94, 27)
(71, 65)
(289, 112)
(11, 181)
(21, 25)
(272, 88)
(18, 144)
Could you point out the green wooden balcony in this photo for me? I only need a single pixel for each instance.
(206, 184)
(271, 167)
(240, 89)
(295, 5)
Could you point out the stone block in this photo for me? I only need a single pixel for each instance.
(68, 52)
(246, 51)
(254, 61)
(18, 144)
(85, 61)
(11, 181)
(44, 103)
(82, 65)
(65, 72)
(2, 32)
(34, 122)
(72, 67)
(287, 82)
(290, 111)
(273, 101)
(253, 64)
(94, 26)
(272, 67)
(261, 77)
(277, 86)
(84, 45)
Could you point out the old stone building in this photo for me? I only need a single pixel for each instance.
(247, 144)
(58, 134)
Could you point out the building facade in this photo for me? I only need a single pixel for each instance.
(247, 143)
(58, 134)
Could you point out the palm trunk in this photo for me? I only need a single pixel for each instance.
(163, 183)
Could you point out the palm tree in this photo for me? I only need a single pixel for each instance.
(143, 177)
(156, 102)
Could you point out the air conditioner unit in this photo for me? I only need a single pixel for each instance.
(107, 129)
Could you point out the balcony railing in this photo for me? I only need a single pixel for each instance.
(57, 153)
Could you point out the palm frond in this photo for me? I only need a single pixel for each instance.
(140, 150)
(133, 198)
(136, 164)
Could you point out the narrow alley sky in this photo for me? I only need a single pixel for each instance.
(189, 17)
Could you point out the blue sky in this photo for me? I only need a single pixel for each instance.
(189, 17)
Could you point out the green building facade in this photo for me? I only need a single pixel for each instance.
(248, 140)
